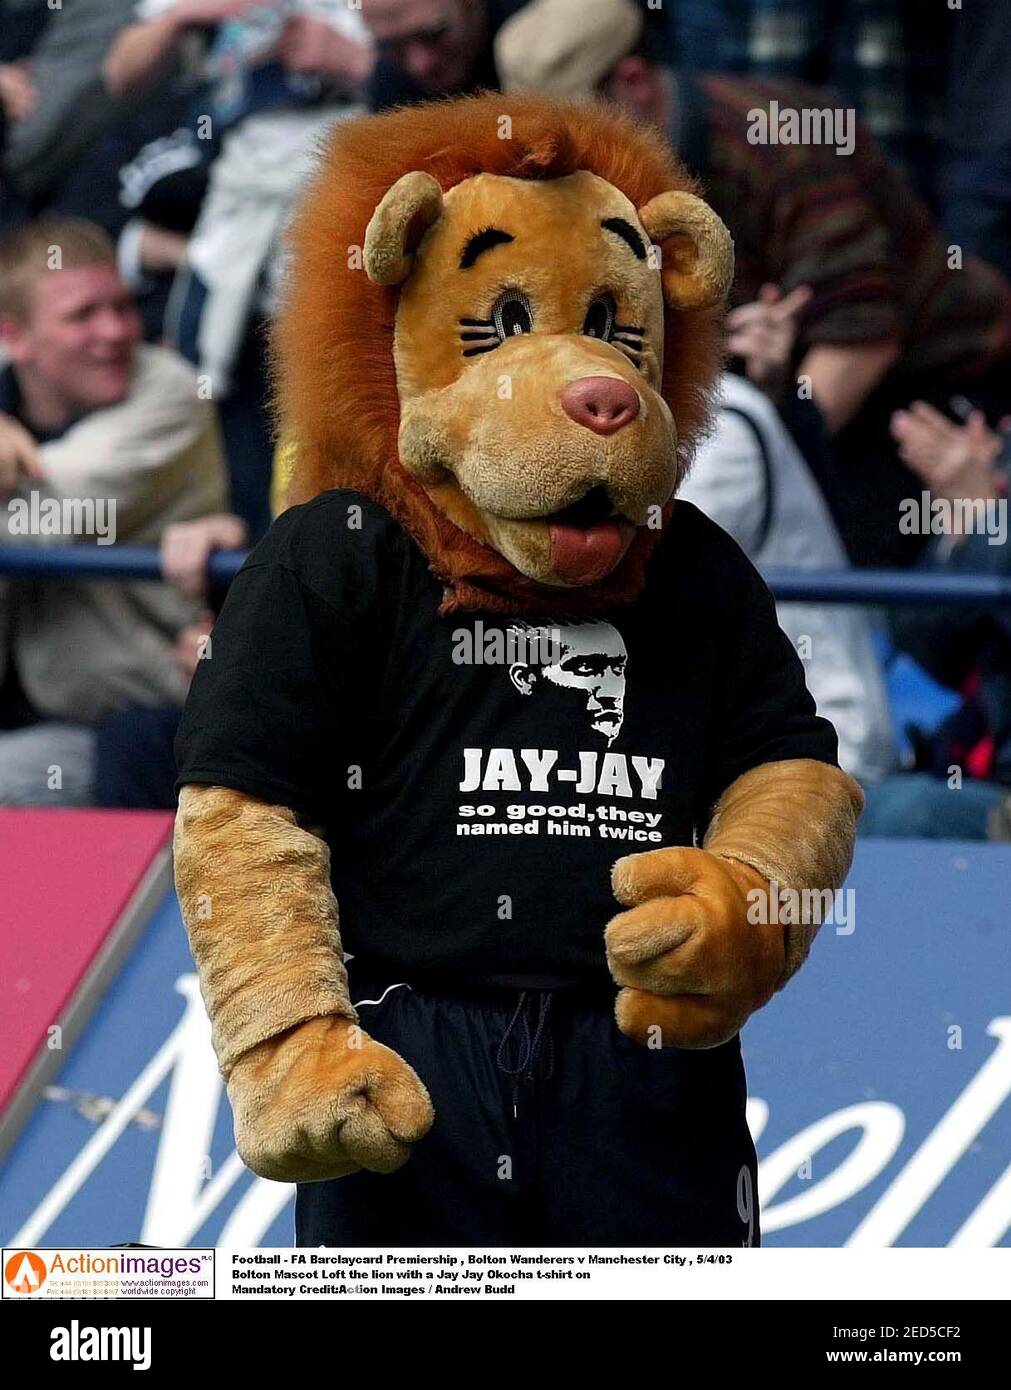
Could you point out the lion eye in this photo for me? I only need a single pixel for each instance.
(599, 321)
(512, 315)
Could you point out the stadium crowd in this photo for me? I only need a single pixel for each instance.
(859, 151)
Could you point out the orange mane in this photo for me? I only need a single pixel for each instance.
(335, 381)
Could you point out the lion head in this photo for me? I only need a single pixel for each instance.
(502, 323)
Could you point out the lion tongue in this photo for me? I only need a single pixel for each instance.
(584, 554)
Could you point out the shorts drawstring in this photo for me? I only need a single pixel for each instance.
(530, 1051)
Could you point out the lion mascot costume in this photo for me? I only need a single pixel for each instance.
(500, 746)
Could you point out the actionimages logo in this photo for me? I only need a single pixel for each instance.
(145, 1272)
(77, 1343)
(25, 1272)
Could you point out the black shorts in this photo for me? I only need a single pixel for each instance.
(551, 1128)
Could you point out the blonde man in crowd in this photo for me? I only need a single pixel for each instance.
(102, 440)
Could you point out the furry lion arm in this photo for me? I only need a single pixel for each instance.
(794, 822)
(254, 889)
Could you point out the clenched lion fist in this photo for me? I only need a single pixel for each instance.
(690, 962)
(323, 1100)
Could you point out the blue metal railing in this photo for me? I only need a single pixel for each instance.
(892, 587)
(103, 562)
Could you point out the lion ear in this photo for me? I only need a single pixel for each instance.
(406, 212)
(698, 253)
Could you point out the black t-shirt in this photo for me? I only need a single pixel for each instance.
(477, 777)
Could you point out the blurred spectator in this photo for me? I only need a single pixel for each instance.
(884, 58)
(108, 440)
(19, 95)
(63, 108)
(749, 476)
(930, 805)
(763, 336)
(887, 320)
(955, 461)
(964, 764)
(279, 73)
(978, 132)
(135, 766)
(434, 47)
(275, 41)
(186, 547)
(21, 23)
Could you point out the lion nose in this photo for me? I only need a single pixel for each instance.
(601, 403)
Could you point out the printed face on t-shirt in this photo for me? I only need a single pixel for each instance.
(582, 678)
